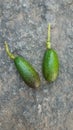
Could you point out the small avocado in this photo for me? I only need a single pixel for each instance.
(27, 72)
(25, 69)
(50, 65)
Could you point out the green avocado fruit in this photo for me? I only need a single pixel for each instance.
(27, 72)
(50, 65)
(25, 69)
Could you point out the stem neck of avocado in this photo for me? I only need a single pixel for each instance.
(48, 44)
(8, 51)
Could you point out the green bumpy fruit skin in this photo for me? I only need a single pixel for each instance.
(50, 65)
(27, 72)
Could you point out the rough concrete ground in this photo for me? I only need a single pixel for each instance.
(23, 24)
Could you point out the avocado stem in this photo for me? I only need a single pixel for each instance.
(48, 45)
(8, 51)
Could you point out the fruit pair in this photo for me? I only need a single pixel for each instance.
(50, 66)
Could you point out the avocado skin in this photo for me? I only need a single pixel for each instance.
(50, 65)
(27, 72)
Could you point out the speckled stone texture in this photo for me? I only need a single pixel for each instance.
(23, 24)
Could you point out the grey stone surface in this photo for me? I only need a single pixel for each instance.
(23, 24)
